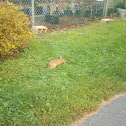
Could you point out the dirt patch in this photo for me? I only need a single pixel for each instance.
(65, 28)
(8, 58)
(88, 114)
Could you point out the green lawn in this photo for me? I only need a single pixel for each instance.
(95, 69)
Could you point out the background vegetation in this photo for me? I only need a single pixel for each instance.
(95, 69)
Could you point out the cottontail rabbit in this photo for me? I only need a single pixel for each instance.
(56, 62)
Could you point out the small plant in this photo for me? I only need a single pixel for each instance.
(113, 15)
(68, 7)
(14, 31)
(95, 18)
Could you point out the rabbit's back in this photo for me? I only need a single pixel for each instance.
(54, 63)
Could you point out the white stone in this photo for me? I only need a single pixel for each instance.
(121, 13)
(106, 20)
(39, 29)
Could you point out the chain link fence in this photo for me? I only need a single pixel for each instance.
(52, 13)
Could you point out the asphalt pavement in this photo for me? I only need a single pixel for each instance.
(112, 114)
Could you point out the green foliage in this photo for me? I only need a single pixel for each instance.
(14, 31)
(95, 69)
(68, 7)
(119, 2)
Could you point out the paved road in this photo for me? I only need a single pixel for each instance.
(113, 114)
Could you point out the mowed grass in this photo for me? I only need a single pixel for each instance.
(95, 69)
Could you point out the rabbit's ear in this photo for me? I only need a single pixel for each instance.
(61, 57)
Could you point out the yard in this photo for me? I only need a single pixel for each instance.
(95, 69)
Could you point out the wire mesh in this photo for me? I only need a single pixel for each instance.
(52, 13)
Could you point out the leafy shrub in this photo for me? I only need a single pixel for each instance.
(119, 2)
(14, 30)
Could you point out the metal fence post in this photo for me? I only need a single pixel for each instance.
(106, 8)
(33, 19)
